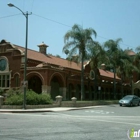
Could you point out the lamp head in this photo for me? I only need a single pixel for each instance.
(10, 5)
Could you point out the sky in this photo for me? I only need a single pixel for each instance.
(51, 19)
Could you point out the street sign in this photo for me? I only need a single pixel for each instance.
(24, 83)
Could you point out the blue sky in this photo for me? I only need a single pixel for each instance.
(51, 19)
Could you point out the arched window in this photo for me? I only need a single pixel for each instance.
(4, 73)
(5, 80)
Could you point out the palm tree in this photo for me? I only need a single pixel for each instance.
(123, 64)
(138, 49)
(127, 66)
(76, 41)
(113, 53)
(97, 56)
(137, 59)
(130, 69)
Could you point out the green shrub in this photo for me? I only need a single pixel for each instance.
(45, 99)
(12, 92)
(1, 91)
(32, 98)
(14, 100)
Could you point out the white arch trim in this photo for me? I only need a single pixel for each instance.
(57, 73)
(37, 73)
(17, 73)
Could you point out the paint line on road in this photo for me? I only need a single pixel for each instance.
(56, 113)
(88, 118)
(99, 112)
(106, 121)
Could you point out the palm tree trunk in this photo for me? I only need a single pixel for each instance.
(132, 92)
(82, 79)
(122, 77)
(95, 85)
(114, 83)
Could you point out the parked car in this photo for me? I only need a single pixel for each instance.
(130, 100)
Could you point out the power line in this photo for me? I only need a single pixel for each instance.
(9, 16)
(51, 20)
(110, 38)
(71, 26)
(60, 24)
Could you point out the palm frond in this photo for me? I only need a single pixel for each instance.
(79, 40)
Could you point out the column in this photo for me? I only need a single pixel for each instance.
(46, 89)
(63, 92)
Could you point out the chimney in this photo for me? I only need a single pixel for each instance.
(43, 48)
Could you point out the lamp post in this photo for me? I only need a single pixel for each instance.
(26, 43)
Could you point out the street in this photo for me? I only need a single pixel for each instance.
(98, 123)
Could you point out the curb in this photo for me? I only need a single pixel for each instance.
(24, 111)
(46, 110)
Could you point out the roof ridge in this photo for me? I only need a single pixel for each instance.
(44, 54)
(40, 53)
(24, 48)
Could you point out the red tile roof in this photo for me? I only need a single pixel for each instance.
(34, 55)
(107, 74)
(130, 52)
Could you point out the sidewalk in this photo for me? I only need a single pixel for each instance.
(55, 109)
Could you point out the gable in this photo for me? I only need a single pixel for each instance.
(6, 47)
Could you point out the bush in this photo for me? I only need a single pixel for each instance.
(1, 91)
(14, 100)
(32, 98)
(12, 92)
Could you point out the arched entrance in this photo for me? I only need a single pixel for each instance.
(70, 91)
(56, 86)
(35, 84)
(78, 92)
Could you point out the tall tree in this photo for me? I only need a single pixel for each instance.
(128, 65)
(113, 52)
(137, 59)
(77, 41)
(122, 67)
(97, 56)
(130, 69)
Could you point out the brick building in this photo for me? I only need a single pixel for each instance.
(53, 75)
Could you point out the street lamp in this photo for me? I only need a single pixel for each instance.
(26, 43)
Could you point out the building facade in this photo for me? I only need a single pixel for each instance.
(53, 75)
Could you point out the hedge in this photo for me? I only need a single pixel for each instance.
(15, 97)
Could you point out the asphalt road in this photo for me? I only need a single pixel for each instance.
(103, 123)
